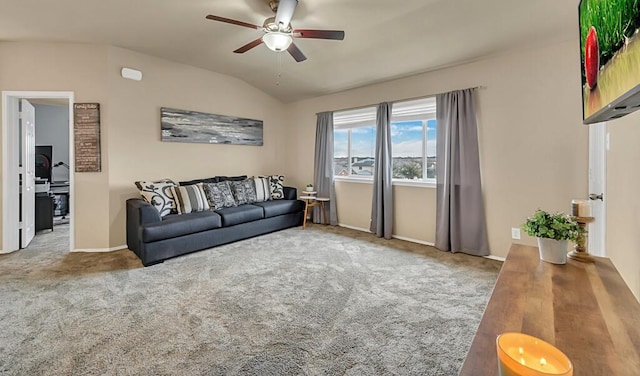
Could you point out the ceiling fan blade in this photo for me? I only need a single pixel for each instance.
(295, 52)
(285, 12)
(248, 46)
(319, 34)
(233, 22)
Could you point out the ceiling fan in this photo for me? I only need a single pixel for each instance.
(278, 32)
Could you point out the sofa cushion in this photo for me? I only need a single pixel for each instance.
(280, 207)
(175, 225)
(159, 195)
(244, 191)
(219, 195)
(231, 178)
(240, 214)
(196, 181)
(190, 198)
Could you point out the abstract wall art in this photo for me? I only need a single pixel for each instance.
(200, 127)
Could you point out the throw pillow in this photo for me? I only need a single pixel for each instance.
(196, 181)
(231, 178)
(244, 191)
(219, 195)
(276, 186)
(263, 192)
(190, 198)
(159, 195)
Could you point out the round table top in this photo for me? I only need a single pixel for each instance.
(314, 198)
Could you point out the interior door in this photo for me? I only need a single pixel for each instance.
(597, 185)
(28, 171)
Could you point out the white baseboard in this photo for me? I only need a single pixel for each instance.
(413, 240)
(497, 258)
(100, 250)
(393, 236)
(354, 228)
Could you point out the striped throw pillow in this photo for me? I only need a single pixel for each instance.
(263, 193)
(190, 198)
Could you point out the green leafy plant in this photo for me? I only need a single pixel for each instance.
(309, 185)
(558, 226)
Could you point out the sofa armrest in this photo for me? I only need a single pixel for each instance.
(139, 213)
(290, 193)
(142, 211)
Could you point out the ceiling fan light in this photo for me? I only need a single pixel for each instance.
(277, 41)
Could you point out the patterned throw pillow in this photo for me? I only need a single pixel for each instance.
(219, 195)
(276, 186)
(190, 198)
(159, 195)
(263, 192)
(244, 191)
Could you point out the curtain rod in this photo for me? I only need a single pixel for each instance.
(481, 87)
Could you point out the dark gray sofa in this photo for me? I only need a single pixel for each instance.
(154, 239)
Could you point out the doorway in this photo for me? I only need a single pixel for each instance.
(56, 184)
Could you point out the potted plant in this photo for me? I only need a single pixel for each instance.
(309, 187)
(553, 231)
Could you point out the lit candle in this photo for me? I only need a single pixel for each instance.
(584, 209)
(581, 208)
(523, 355)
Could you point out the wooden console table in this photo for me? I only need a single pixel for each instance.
(584, 309)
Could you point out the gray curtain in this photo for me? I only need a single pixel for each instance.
(460, 217)
(323, 168)
(382, 206)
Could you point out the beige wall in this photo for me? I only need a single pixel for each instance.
(534, 148)
(135, 149)
(81, 69)
(130, 124)
(623, 205)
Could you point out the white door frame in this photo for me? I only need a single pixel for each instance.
(28, 172)
(10, 192)
(598, 147)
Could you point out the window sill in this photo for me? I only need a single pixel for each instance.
(351, 179)
(398, 182)
(415, 183)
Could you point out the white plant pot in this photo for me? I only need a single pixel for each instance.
(553, 251)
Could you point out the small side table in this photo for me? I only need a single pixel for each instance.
(313, 201)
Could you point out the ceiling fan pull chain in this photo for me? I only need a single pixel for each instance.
(279, 68)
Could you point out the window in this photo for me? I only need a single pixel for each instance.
(413, 139)
(354, 142)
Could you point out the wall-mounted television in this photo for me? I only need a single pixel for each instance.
(610, 58)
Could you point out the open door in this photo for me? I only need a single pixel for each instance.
(28, 173)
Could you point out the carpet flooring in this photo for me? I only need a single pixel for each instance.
(320, 301)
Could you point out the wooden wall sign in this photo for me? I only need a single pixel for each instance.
(86, 131)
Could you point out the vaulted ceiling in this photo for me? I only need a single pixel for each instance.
(384, 39)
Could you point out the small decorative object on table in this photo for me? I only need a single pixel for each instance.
(521, 354)
(553, 232)
(581, 209)
(309, 187)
